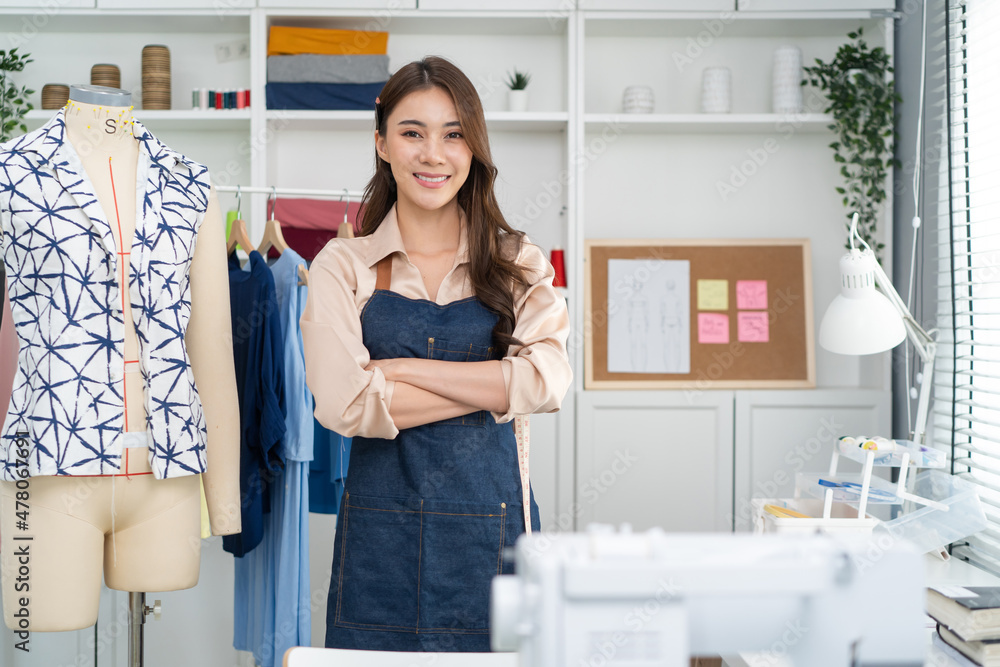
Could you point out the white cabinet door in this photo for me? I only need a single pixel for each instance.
(780, 433)
(341, 4)
(661, 5)
(657, 458)
(52, 7)
(221, 5)
(506, 5)
(813, 5)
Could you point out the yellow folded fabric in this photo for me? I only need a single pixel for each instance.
(288, 41)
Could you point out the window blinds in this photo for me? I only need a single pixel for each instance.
(966, 417)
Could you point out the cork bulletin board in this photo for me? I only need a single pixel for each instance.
(669, 314)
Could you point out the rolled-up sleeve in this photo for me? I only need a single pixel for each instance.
(349, 400)
(538, 374)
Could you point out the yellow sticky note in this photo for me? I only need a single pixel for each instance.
(713, 295)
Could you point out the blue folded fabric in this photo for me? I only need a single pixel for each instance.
(354, 96)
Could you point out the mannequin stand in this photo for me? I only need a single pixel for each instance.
(137, 612)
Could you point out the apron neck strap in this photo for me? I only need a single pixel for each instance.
(383, 276)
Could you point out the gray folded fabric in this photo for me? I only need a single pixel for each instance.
(310, 68)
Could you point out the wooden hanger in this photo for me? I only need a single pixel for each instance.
(272, 232)
(346, 229)
(238, 232)
(238, 236)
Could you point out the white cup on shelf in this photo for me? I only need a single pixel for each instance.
(638, 99)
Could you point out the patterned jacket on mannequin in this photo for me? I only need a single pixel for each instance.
(67, 405)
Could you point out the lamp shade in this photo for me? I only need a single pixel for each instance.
(860, 320)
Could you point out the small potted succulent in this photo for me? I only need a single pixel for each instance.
(517, 99)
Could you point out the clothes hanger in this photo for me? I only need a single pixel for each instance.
(272, 229)
(238, 232)
(346, 229)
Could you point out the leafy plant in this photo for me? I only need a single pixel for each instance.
(861, 99)
(518, 80)
(13, 99)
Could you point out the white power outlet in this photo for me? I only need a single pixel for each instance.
(237, 49)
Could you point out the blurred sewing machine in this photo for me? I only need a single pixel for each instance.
(652, 599)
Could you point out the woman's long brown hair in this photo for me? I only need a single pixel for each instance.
(493, 270)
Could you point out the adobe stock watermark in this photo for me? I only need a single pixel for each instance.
(795, 460)
(32, 25)
(553, 190)
(758, 156)
(605, 646)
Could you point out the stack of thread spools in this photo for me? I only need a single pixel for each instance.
(104, 74)
(54, 95)
(155, 77)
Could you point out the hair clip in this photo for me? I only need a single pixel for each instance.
(378, 111)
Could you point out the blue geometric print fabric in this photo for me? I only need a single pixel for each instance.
(62, 265)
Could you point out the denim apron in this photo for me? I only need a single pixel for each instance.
(425, 517)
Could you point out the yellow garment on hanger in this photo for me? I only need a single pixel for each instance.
(288, 41)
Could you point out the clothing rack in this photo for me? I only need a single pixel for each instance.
(344, 194)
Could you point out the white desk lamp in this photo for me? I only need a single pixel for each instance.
(869, 316)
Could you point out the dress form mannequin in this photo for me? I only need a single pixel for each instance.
(141, 532)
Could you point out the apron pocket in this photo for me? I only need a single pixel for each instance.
(380, 552)
(447, 350)
(460, 554)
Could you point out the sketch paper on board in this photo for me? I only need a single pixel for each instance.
(649, 316)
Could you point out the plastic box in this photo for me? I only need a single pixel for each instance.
(843, 518)
(930, 528)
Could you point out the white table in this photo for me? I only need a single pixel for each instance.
(952, 572)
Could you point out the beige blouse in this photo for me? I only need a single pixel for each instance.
(352, 401)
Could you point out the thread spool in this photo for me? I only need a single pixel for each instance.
(54, 95)
(559, 267)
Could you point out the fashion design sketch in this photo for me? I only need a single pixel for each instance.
(649, 322)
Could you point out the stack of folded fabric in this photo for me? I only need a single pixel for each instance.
(316, 68)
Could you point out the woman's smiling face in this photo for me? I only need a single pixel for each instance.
(426, 149)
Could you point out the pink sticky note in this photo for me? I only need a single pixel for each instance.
(752, 327)
(713, 328)
(751, 294)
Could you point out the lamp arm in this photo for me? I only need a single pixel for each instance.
(923, 342)
(921, 339)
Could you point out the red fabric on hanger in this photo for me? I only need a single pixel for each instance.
(320, 214)
(307, 224)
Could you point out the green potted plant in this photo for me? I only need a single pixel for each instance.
(517, 98)
(13, 98)
(861, 97)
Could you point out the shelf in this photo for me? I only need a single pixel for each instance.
(211, 21)
(190, 119)
(352, 121)
(713, 123)
(787, 25)
(421, 22)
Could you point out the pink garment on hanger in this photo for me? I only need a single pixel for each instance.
(318, 214)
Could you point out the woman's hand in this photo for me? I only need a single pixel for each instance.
(392, 369)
